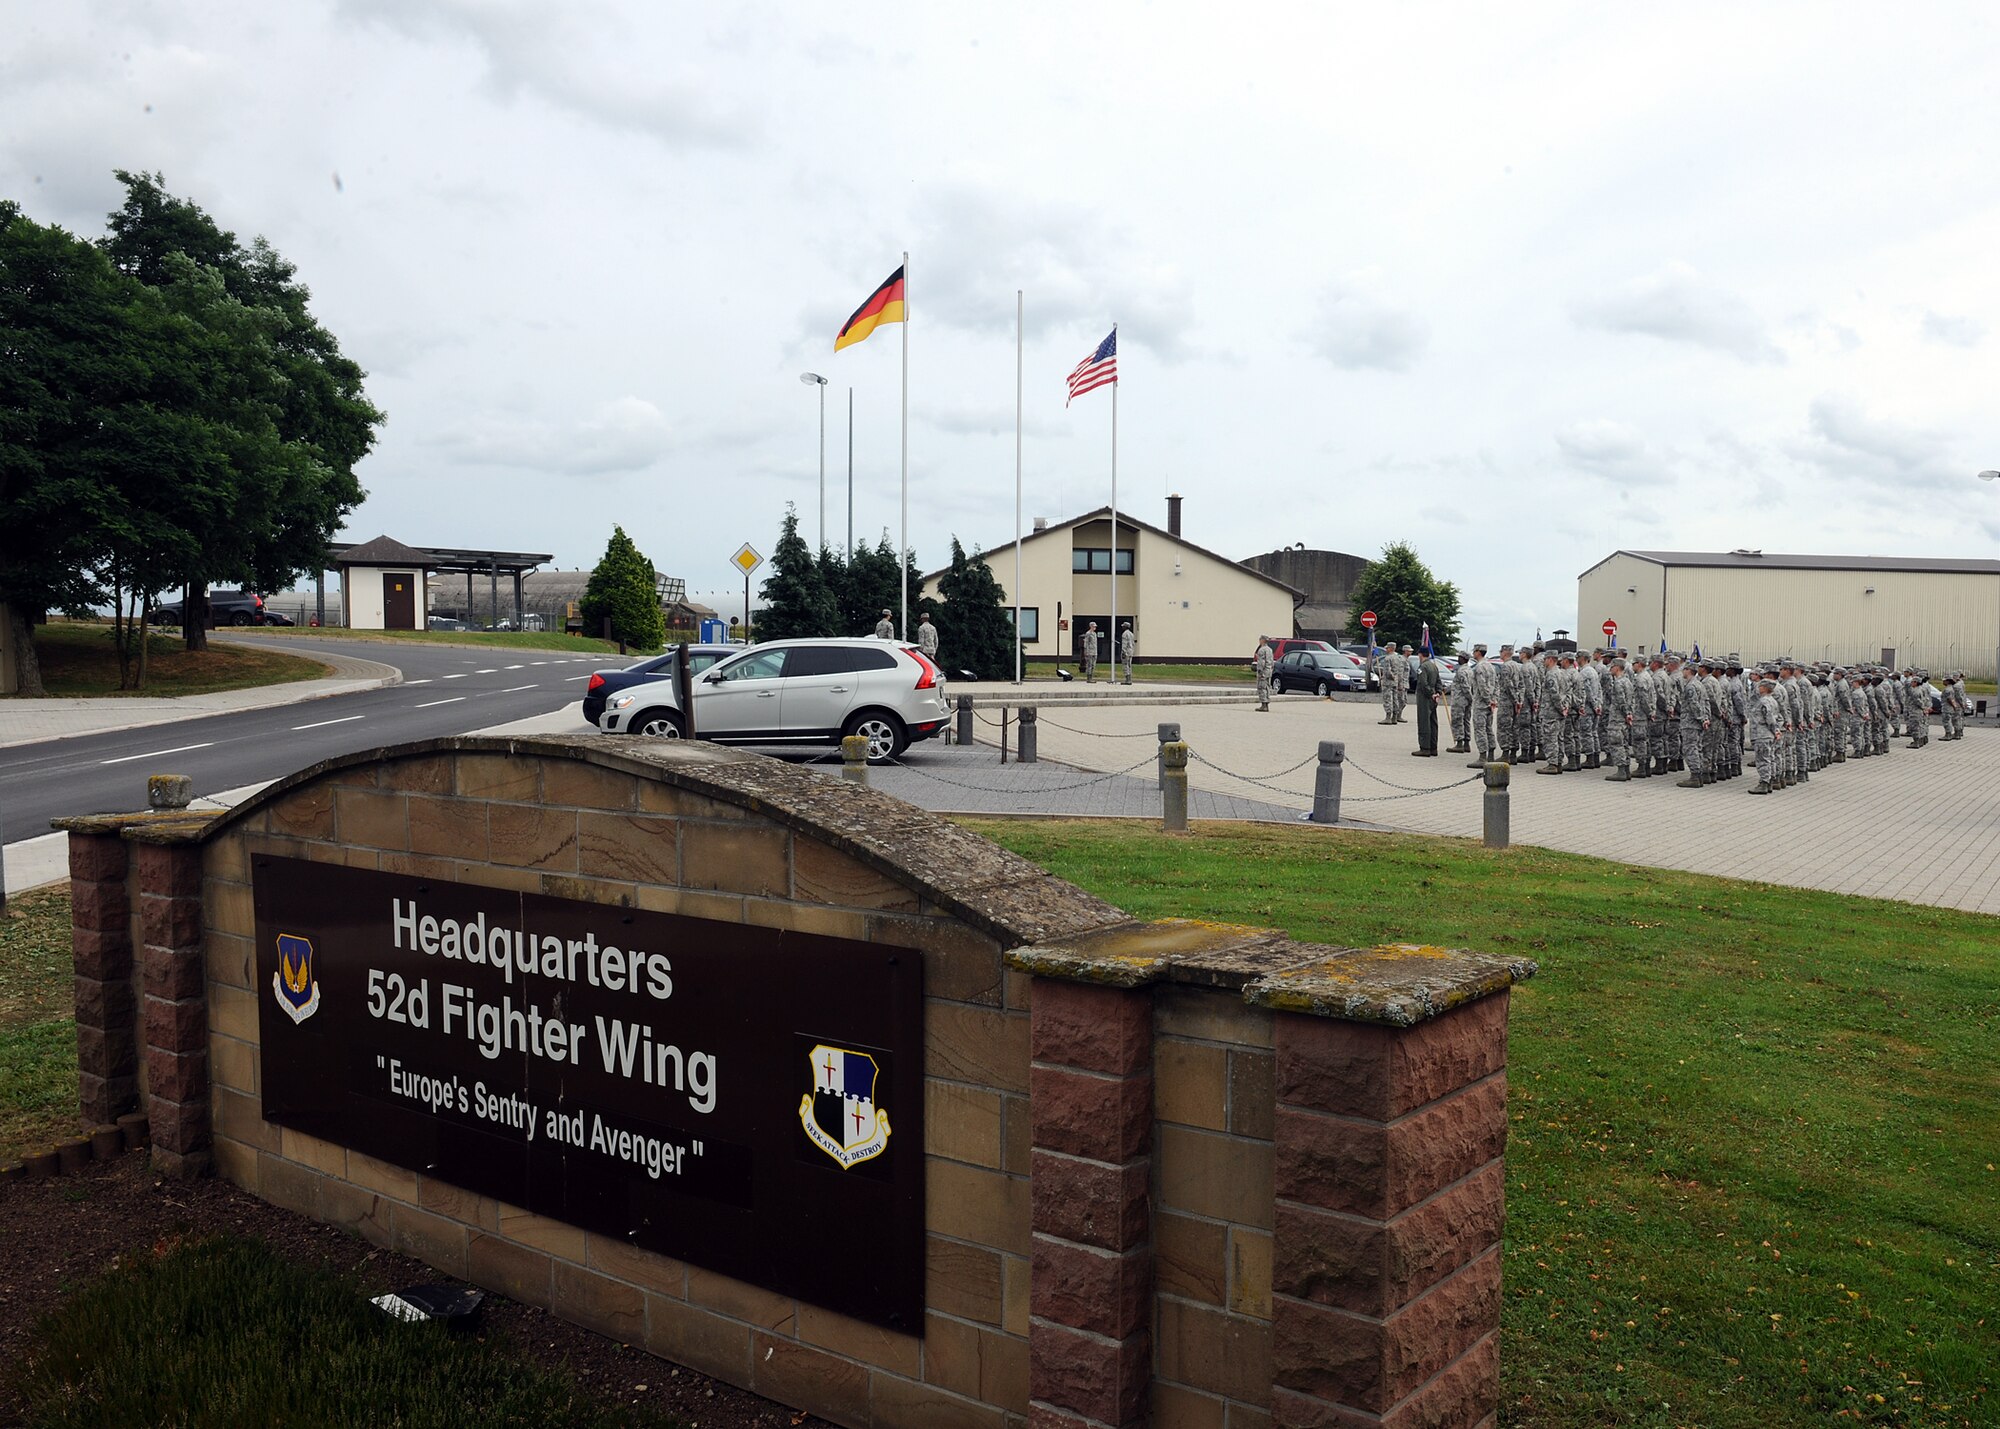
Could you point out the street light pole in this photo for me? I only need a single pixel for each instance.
(820, 382)
(1995, 476)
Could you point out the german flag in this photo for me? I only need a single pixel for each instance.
(884, 305)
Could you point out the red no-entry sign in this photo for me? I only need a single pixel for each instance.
(1610, 630)
(1368, 619)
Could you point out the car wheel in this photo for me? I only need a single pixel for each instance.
(884, 733)
(240, 618)
(1320, 689)
(660, 724)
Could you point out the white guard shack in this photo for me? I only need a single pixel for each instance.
(1935, 613)
(1183, 602)
(383, 585)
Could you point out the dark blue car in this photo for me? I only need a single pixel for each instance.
(606, 683)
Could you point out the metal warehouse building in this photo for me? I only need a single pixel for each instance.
(1939, 614)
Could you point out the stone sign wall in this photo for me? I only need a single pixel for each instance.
(1169, 1172)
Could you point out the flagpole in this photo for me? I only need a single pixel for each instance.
(1114, 518)
(905, 572)
(1018, 341)
(850, 476)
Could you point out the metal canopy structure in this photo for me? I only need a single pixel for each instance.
(450, 560)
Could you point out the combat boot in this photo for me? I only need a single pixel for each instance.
(1619, 773)
(1574, 763)
(1839, 756)
(1550, 768)
(1762, 788)
(1692, 781)
(1591, 762)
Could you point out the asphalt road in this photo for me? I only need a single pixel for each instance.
(445, 690)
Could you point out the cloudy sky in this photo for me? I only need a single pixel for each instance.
(1519, 284)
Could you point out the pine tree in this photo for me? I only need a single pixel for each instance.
(1404, 595)
(625, 587)
(974, 632)
(797, 602)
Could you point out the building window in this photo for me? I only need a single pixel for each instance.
(1031, 623)
(1096, 561)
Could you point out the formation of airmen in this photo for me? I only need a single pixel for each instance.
(1646, 715)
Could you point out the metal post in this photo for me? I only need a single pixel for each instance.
(1003, 734)
(1168, 733)
(1326, 783)
(965, 719)
(1496, 806)
(1174, 788)
(1030, 726)
(854, 758)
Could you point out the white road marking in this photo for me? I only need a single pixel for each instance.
(458, 676)
(537, 662)
(455, 699)
(156, 754)
(515, 690)
(421, 682)
(322, 724)
(493, 671)
(513, 667)
(575, 677)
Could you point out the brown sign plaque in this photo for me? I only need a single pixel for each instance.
(746, 1099)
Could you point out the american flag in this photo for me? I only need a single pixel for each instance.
(1100, 369)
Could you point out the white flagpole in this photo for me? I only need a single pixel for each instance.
(1018, 340)
(1114, 518)
(905, 572)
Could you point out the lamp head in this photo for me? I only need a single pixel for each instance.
(812, 378)
(1989, 476)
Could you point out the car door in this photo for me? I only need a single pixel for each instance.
(741, 698)
(820, 683)
(1287, 671)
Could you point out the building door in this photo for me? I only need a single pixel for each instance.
(399, 600)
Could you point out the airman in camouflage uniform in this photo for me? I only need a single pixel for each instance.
(1917, 708)
(1484, 679)
(1548, 716)
(1507, 709)
(1262, 662)
(1694, 723)
(1669, 691)
(1956, 705)
(1640, 676)
(1618, 696)
(1390, 669)
(1766, 735)
(1461, 707)
(1590, 706)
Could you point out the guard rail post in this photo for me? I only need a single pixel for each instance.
(1326, 783)
(1030, 721)
(1496, 805)
(1168, 734)
(854, 758)
(1174, 786)
(965, 719)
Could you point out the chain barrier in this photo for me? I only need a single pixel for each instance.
(1094, 734)
(1264, 780)
(1411, 788)
(1018, 789)
(1346, 799)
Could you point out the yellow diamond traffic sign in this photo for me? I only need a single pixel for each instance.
(745, 559)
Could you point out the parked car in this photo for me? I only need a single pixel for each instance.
(1360, 656)
(1319, 671)
(225, 607)
(797, 692)
(272, 617)
(447, 622)
(1280, 648)
(606, 683)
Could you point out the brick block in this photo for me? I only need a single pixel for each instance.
(367, 819)
(1193, 1080)
(232, 1012)
(1106, 1292)
(101, 908)
(1100, 1379)
(1370, 1364)
(95, 953)
(737, 859)
(565, 781)
(962, 1123)
(825, 875)
(976, 1362)
(1191, 1258)
(230, 960)
(639, 848)
(326, 1157)
(1250, 1272)
(106, 1053)
(1088, 1202)
(232, 1064)
(102, 1099)
(169, 922)
(1369, 1169)
(649, 1270)
(898, 1403)
(241, 1118)
(231, 909)
(857, 1340)
(1097, 1029)
(1252, 1092)
(451, 828)
(986, 1207)
(180, 1127)
(1381, 1073)
(557, 1238)
(506, 777)
(175, 972)
(176, 1026)
(526, 836)
(963, 1280)
(1466, 1392)
(436, 1241)
(981, 1045)
(225, 859)
(177, 1076)
(811, 1379)
(420, 774)
(356, 1210)
(97, 858)
(180, 1165)
(109, 1005)
(1213, 1350)
(381, 1177)
(169, 870)
(1083, 1114)
(1376, 1267)
(468, 1208)
(1212, 1015)
(302, 813)
(607, 1306)
(680, 1332)
(513, 1270)
(741, 1301)
(1213, 1175)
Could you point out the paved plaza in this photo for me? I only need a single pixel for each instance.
(1921, 825)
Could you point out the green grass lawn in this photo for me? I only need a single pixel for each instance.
(79, 658)
(37, 1024)
(1751, 1179)
(503, 639)
(225, 1332)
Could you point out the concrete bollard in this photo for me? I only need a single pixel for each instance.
(1173, 784)
(1496, 806)
(854, 758)
(1326, 783)
(169, 791)
(965, 719)
(1168, 734)
(1030, 725)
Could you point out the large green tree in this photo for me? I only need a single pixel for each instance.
(797, 600)
(974, 629)
(624, 588)
(1404, 595)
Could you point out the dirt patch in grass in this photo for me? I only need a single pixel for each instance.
(80, 659)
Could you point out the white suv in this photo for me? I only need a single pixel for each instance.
(797, 692)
